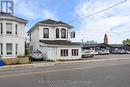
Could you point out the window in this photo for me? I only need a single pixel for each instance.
(63, 33)
(1, 49)
(8, 48)
(46, 33)
(64, 52)
(74, 52)
(31, 49)
(67, 33)
(72, 34)
(1, 28)
(16, 29)
(57, 33)
(8, 28)
(16, 48)
(30, 37)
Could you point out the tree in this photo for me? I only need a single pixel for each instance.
(126, 42)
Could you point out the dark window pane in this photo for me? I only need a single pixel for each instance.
(57, 33)
(63, 33)
(46, 33)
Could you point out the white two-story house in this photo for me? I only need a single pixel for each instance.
(52, 38)
(12, 39)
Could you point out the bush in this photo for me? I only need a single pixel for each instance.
(13, 61)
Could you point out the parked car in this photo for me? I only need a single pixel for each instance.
(128, 52)
(87, 54)
(104, 52)
(115, 52)
(122, 52)
(38, 55)
(95, 52)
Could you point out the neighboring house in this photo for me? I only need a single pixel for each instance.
(119, 47)
(52, 38)
(12, 40)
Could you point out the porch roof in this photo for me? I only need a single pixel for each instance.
(59, 42)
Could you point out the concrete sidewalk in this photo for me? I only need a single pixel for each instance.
(45, 64)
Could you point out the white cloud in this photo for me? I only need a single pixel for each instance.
(94, 27)
(48, 15)
(32, 9)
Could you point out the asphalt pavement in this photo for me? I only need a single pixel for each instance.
(111, 73)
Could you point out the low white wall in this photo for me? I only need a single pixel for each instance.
(53, 53)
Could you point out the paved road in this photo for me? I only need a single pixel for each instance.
(94, 74)
(111, 56)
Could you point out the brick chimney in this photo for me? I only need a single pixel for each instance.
(105, 39)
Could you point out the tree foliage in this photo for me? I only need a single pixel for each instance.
(126, 42)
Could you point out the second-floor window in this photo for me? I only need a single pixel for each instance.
(57, 33)
(45, 33)
(1, 28)
(63, 33)
(8, 28)
(16, 29)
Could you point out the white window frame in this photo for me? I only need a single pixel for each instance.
(74, 52)
(9, 30)
(16, 29)
(64, 52)
(1, 28)
(9, 51)
(16, 48)
(45, 32)
(1, 48)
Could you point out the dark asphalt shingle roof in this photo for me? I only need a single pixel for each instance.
(96, 45)
(59, 42)
(10, 15)
(50, 22)
(117, 45)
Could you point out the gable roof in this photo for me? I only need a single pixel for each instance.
(51, 23)
(8, 16)
(59, 42)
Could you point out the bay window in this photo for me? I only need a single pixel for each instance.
(63, 33)
(57, 33)
(45, 33)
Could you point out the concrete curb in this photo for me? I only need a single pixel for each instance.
(57, 62)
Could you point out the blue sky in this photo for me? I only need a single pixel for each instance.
(114, 22)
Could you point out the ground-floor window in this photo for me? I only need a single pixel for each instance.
(9, 48)
(74, 52)
(1, 49)
(16, 48)
(64, 52)
(31, 49)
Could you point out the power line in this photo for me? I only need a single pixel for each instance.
(99, 11)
